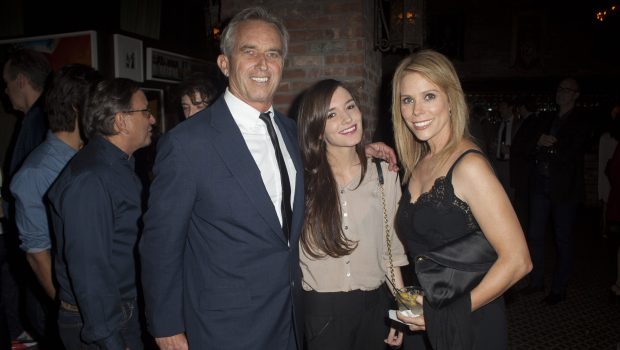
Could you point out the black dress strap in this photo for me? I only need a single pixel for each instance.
(449, 174)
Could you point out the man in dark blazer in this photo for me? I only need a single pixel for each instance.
(557, 188)
(218, 270)
(25, 74)
(522, 151)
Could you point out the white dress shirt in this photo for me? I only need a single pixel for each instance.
(254, 132)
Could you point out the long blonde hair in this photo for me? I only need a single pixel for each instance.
(437, 69)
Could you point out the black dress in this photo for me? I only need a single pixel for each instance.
(438, 217)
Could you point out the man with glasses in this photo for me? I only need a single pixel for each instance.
(557, 188)
(96, 213)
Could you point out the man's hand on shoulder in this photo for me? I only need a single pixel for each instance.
(175, 342)
(383, 151)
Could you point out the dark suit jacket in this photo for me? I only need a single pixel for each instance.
(522, 151)
(215, 263)
(27, 136)
(566, 174)
(31, 134)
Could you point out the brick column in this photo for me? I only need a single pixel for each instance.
(328, 39)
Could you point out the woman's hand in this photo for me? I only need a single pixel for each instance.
(383, 151)
(416, 323)
(394, 338)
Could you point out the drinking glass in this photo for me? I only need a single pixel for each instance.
(406, 298)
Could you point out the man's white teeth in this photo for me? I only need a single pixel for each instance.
(422, 124)
(260, 80)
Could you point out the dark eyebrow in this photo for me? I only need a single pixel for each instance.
(346, 103)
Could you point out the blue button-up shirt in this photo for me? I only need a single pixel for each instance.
(96, 213)
(29, 186)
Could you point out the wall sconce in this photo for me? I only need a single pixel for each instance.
(212, 19)
(399, 24)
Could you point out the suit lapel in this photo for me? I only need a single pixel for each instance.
(230, 145)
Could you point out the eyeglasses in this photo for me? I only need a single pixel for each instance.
(145, 112)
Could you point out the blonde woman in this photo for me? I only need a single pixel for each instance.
(452, 192)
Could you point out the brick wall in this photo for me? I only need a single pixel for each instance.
(328, 39)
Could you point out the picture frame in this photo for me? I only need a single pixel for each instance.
(170, 67)
(155, 98)
(128, 58)
(527, 48)
(60, 49)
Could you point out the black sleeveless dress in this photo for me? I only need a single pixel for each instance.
(438, 217)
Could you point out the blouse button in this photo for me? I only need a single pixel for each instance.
(348, 274)
(346, 227)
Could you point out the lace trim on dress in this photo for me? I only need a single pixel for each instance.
(442, 195)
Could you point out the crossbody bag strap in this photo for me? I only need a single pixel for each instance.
(388, 237)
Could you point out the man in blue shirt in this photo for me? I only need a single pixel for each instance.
(65, 102)
(96, 213)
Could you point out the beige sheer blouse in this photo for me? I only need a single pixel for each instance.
(362, 221)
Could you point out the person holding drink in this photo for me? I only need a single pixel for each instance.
(453, 204)
(347, 243)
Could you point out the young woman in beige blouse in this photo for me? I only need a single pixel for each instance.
(344, 257)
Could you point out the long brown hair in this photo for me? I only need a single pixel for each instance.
(322, 231)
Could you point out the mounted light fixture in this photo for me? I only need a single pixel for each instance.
(399, 24)
(212, 19)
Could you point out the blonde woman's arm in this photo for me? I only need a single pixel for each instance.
(474, 182)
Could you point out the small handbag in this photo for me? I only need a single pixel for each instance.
(455, 268)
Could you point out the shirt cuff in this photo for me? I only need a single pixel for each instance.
(34, 250)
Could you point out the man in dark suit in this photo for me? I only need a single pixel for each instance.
(218, 270)
(522, 151)
(557, 188)
(220, 253)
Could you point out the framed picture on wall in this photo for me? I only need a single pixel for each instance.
(128, 58)
(155, 98)
(171, 67)
(528, 31)
(60, 49)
